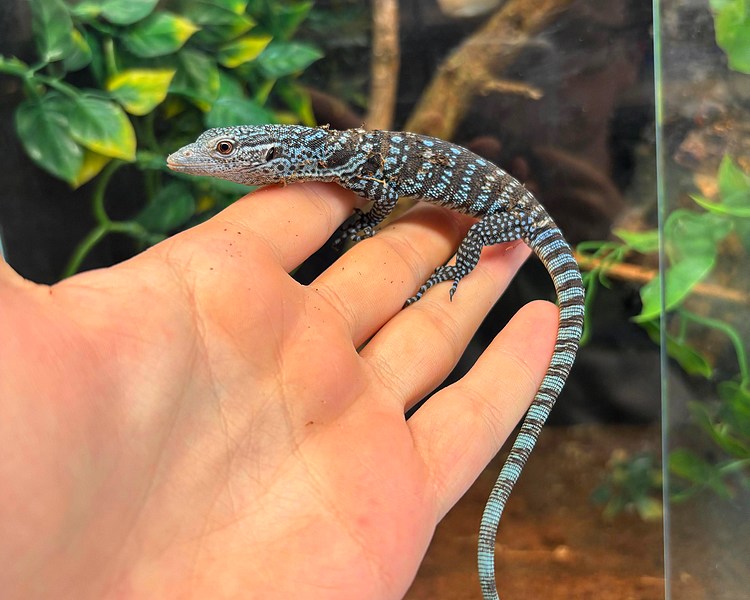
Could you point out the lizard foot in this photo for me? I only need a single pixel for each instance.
(443, 273)
(354, 229)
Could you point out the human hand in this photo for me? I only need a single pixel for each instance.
(193, 423)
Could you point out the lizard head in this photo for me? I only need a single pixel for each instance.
(251, 155)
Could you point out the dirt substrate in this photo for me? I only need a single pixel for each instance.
(553, 542)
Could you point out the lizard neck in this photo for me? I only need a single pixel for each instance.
(347, 151)
(323, 154)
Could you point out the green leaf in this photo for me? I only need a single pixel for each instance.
(735, 409)
(732, 24)
(13, 66)
(172, 206)
(220, 20)
(742, 227)
(691, 235)
(86, 10)
(692, 244)
(736, 206)
(101, 126)
(285, 58)
(297, 98)
(140, 90)
(53, 29)
(650, 301)
(262, 90)
(92, 165)
(96, 66)
(719, 432)
(197, 78)
(649, 509)
(237, 111)
(682, 277)
(80, 53)
(230, 86)
(731, 390)
(732, 179)
(237, 6)
(644, 242)
(243, 50)
(689, 358)
(690, 466)
(286, 18)
(127, 12)
(215, 9)
(734, 192)
(45, 136)
(679, 282)
(214, 35)
(160, 34)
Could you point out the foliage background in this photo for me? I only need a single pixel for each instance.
(116, 84)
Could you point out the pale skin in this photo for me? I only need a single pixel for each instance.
(193, 423)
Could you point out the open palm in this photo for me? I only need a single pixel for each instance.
(195, 423)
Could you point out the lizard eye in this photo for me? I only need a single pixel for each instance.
(271, 154)
(225, 147)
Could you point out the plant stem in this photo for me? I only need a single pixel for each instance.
(104, 223)
(110, 60)
(97, 199)
(60, 86)
(83, 248)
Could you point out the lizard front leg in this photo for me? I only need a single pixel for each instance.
(361, 225)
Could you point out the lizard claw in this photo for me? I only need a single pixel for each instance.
(454, 287)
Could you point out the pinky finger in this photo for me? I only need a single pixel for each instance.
(460, 429)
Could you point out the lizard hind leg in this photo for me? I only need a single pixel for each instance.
(467, 258)
(495, 228)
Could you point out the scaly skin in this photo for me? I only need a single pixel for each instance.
(383, 166)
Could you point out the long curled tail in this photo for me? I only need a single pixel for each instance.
(557, 256)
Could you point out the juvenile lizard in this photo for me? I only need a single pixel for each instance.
(383, 166)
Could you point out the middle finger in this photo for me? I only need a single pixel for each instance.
(371, 282)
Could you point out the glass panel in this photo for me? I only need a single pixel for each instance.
(704, 161)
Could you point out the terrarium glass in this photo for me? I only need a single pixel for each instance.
(702, 90)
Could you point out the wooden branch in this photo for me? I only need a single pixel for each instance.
(386, 59)
(518, 88)
(475, 64)
(333, 111)
(638, 274)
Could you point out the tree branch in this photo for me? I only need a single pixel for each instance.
(385, 64)
(473, 66)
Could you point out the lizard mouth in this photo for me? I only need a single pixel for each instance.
(180, 161)
(177, 166)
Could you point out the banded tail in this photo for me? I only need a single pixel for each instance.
(556, 255)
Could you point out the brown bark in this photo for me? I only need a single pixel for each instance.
(471, 68)
(385, 64)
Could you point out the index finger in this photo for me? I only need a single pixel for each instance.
(293, 221)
